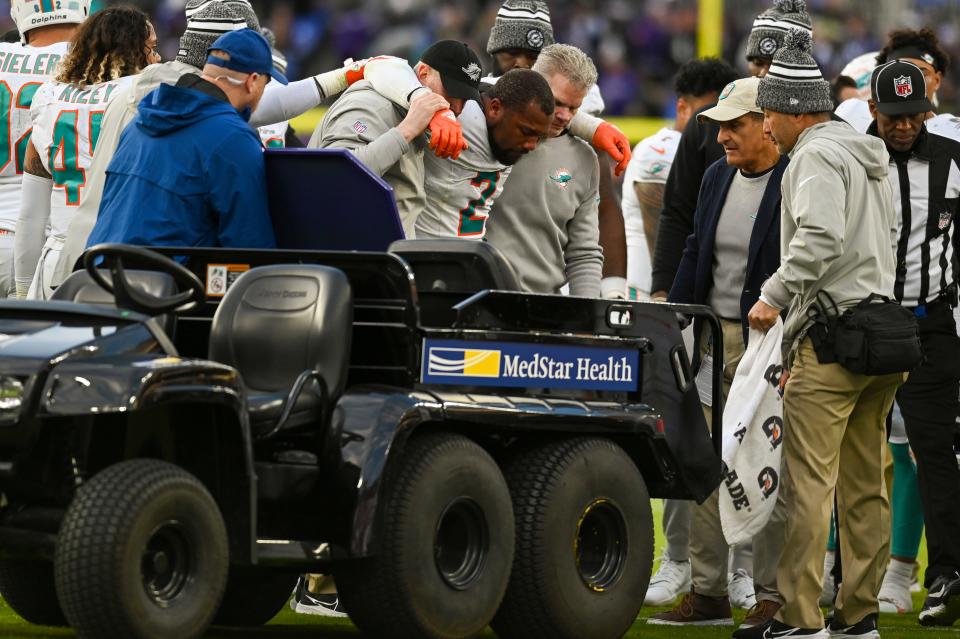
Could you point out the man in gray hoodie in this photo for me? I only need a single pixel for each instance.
(838, 233)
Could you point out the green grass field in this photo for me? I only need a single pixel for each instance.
(287, 624)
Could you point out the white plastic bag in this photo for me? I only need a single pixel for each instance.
(753, 438)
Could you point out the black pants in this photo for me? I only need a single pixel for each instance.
(928, 401)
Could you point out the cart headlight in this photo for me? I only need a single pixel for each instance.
(11, 398)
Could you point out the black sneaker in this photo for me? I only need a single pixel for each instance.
(866, 628)
(305, 602)
(942, 605)
(777, 629)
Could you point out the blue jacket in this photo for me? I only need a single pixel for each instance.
(694, 278)
(188, 171)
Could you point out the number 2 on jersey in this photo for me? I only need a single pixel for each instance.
(64, 158)
(471, 224)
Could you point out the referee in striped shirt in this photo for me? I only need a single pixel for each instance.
(925, 177)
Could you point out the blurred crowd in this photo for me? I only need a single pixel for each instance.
(638, 45)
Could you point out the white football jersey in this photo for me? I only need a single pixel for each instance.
(274, 136)
(651, 162)
(946, 125)
(23, 69)
(460, 192)
(66, 125)
(856, 113)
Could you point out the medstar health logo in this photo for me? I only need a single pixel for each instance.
(561, 177)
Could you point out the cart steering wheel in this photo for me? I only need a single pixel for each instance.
(192, 292)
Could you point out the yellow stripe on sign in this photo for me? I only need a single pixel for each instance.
(635, 129)
(481, 363)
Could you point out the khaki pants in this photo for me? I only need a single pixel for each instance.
(708, 547)
(834, 438)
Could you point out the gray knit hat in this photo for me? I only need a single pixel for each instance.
(794, 83)
(771, 27)
(521, 24)
(203, 28)
(241, 7)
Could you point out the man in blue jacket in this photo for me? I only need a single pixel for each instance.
(734, 247)
(189, 169)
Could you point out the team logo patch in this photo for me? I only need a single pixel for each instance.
(359, 127)
(655, 168)
(473, 71)
(535, 38)
(561, 177)
(903, 86)
(944, 221)
(727, 90)
(768, 46)
(794, 101)
(768, 480)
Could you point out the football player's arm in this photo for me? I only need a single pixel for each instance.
(613, 236)
(238, 193)
(30, 236)
(650, 197)
(285, 102)
(583, 257)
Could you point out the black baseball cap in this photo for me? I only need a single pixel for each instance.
(458, 66)
(899, 88)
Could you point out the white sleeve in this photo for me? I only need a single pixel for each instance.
(281, 103)
(393, 78)
(584, 126)
(31, 229)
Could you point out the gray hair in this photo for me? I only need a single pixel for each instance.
(568, 61)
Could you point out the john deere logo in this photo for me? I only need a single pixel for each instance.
(727, 90)
(462, 362)
(561, 177)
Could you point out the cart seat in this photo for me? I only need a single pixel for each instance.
(79, 287)
(284, 325)
(456, 266)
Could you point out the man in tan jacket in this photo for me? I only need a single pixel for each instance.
(838, 230)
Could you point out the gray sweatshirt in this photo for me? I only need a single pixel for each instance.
(365, 122)
(545, 221)
(838, 227)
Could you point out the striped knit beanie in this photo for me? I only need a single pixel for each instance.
(242, 7)
(771, 27)
(279, 60)
(203, 28)
(794, 83)
(521, 24)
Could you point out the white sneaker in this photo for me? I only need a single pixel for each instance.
(671, 580)
(740, 590)
(895, 596)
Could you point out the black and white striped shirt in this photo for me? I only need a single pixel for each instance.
(926, 188)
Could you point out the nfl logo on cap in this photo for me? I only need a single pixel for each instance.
(903, 86)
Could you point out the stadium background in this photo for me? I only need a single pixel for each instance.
(637, 44)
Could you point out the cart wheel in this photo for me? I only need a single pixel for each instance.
(27, 587)
(254, 596)
(446, 545)
(142, 554)
(584, 543)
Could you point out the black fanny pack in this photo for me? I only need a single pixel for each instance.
(876, 337)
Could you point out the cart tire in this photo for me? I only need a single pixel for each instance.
(28, 588)
(142, 554)
(446, 545)
(254, 596)
(584, 543)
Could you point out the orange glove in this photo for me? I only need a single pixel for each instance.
(611, 140)
(446, 135)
